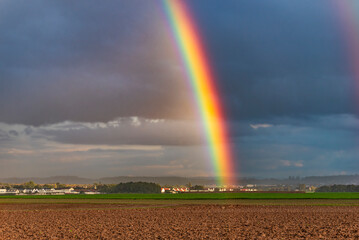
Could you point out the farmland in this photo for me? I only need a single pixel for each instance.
(96, 217)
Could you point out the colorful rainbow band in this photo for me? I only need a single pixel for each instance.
(203, 85)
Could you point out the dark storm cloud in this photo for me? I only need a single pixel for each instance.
(278, 58)
(81, 61)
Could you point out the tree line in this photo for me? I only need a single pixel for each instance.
(32, 185)
(130, 187)
(338, 188)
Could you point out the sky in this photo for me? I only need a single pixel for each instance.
(99, 90)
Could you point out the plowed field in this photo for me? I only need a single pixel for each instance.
(170, 220)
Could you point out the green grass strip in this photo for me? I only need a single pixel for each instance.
(195, 196)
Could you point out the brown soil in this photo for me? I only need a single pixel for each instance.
(126, 221)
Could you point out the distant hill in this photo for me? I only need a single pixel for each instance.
(109, 180)
(160, 180)
(312, 180)
(330, 180)
(56, 179)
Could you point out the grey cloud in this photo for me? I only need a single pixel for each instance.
(13, 133)
(348, 123)
(299, 146)
(28, 130)
(338, 122)
(129, 132)
(3, 135)
(38, 155)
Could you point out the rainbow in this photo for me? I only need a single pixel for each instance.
(203, 85)
(347, 13)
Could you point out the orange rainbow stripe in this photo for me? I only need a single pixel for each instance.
(204, 87)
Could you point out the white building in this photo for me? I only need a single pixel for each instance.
(13, 191)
